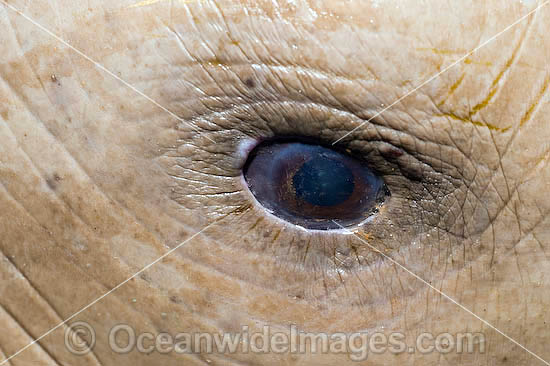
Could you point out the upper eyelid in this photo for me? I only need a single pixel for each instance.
(382, 130)
(234, 106)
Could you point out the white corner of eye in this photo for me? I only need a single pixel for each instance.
(244, 147)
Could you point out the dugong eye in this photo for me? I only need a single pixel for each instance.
(311, 185)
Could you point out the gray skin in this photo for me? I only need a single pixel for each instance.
(97, 181)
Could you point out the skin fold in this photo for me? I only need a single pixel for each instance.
(98, 181)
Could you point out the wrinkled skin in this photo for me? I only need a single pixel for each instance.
(97, 181)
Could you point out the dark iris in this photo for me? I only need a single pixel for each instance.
(312, 185)
(323, 182)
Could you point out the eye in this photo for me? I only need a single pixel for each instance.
(313, 186)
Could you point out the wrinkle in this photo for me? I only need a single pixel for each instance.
(535, 105)
(473, 122)
(317, 73)
(490, 182)
(41, 348)
(105, 287)
(35, 167)
(181, 42)
(4, 358)
(32, 288)
(452, 90)
(512, 60)
(217, 194)
(205, 43)
(200, 172)
(503, 155)
(72, 159)
(229, 112)
(51, 238)
(494, 174)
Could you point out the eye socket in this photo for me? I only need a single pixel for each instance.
(311, 185)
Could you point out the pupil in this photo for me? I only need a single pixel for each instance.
(323, 182)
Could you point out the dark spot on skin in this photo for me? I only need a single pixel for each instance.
(250, 83)
(53, 181)
(390, 152)
(241, 209)
(54, 79)
(175, 299)
(504, 359)
(183, 234)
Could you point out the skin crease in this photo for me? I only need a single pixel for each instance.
(97, 182)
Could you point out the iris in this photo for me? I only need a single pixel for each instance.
(323, 182)
(311, 185)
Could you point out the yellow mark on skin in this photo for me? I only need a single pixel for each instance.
(542, 91)
(442, 51)
(489, 97)
(215, 62)
(452, 90)
(404, 83)
(477, 123)
(144, 3)
(363, 234)
(485, 102)
(456, 84)
(367, 237)
(241, 209)
(276, 235)
(469, 61)
(543, 160)
(151, 2)
(256, 223)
